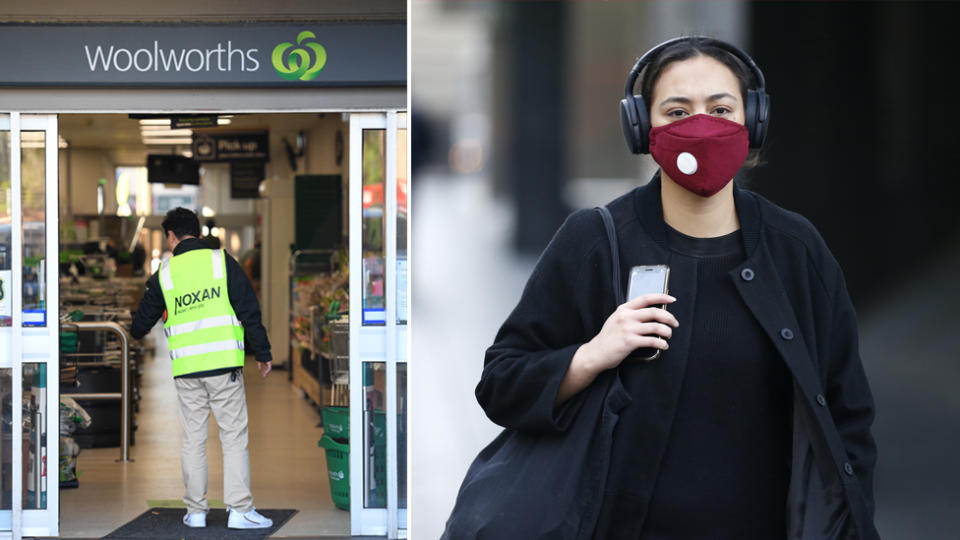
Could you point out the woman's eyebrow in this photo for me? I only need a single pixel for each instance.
(676, 99)
(688, 101)
(721, 95)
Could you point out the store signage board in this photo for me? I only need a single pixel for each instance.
(193, 121)
(34, 317)
(245, 178)
(204, 55)
(230, 146)
(375, 316)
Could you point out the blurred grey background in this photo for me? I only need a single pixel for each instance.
(515, 125)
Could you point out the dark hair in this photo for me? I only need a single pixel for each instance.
(182, 222)
(700, 46)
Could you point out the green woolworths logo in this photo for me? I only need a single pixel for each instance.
(298, 63)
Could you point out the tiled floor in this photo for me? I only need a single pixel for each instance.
(288, 470)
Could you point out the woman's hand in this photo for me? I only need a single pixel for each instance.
(634, 325)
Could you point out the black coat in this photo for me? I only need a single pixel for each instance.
(792, 285)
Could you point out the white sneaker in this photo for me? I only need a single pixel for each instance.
(198, 519)
(250, 520)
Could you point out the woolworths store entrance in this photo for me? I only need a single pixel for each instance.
(290, 142)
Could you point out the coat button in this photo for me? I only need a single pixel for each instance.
(746, 274)
(786, 333)
(821, 400)
(848, 468)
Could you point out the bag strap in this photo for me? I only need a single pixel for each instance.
(614, 252)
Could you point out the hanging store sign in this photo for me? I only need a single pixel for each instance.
(241, 145)
(191, 121)
(245, 178)
(191, 55)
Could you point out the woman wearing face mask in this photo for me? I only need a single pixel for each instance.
(754, 421)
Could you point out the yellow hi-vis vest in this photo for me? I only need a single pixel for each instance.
(201, 327)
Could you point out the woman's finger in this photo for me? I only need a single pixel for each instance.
(640, 342)
(648, 329)
(652, 299)
(652, 314)
(655, 328)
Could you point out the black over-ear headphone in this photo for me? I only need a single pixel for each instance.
(635, 119)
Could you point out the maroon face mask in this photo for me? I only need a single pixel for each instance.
(701, 152)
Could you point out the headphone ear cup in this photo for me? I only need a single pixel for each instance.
(763, 117)
(628, 122)
(643, 125)
(756, 116)
(750, 119)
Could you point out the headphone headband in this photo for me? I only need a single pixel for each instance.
(648, 57)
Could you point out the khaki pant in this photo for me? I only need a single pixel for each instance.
(225, 397)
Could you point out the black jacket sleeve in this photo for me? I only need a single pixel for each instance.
(848, 391)
(149, 310)
(247, 308)
(525, 365)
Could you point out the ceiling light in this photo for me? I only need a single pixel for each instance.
(168, 141)
(155, 122)
(154, 128)
(154, 132)
(223, 121)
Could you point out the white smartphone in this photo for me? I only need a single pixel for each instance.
(648, 280)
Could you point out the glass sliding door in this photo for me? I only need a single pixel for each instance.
(378, 337)
(400, 287)
(29, 340)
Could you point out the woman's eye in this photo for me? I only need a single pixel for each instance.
(721, 110)
(676, 113)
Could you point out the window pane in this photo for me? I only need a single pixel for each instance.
(6, 248)
(164, 198)
(374, 167)
(133, 191)
(34, 422)
(374, 435)
(33, 185)
(402, 435)
(401, 226)
(6, 448)
(35, 452)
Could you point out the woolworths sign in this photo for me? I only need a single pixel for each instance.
(235, 55)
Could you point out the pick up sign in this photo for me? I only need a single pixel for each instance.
(231, 146)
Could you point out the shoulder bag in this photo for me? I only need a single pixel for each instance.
(545, 486)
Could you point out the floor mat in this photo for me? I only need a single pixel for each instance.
(159, 523)
(178, 503)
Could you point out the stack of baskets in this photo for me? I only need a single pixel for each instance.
(336, 422)
(336, 442)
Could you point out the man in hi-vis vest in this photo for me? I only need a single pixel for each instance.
(207, 304)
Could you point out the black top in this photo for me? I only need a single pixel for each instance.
(726, 468)
(242, 298)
